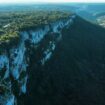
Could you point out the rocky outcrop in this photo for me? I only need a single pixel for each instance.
(14, 63)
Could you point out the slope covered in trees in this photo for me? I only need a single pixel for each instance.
(75, 74)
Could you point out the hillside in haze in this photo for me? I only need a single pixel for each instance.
(92, 12)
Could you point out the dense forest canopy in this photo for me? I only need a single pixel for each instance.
(12, 22)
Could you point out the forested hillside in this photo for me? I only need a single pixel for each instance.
(76, 72)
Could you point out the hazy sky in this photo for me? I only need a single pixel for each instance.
(26, 1)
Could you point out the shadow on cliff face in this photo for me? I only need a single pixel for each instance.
(75, 75)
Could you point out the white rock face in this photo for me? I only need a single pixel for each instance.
(23, 87)
(18, 61)
(48, 52)
(39, 34)
(4, 65)
(16, 64)
(11, 101)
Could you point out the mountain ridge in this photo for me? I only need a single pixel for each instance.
(14, 62)
(75, 73)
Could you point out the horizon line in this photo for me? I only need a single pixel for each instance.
(45, 2)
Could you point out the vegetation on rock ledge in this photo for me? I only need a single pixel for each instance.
(11, 23)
